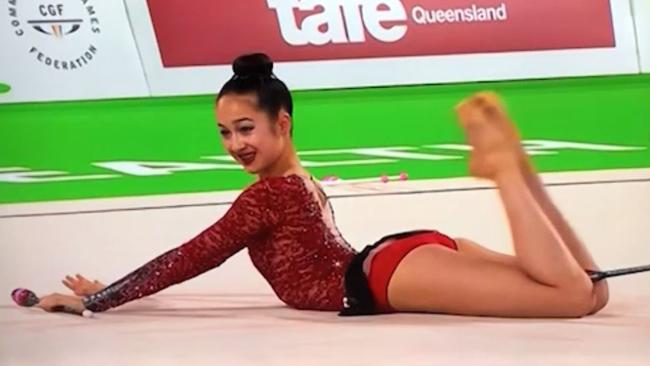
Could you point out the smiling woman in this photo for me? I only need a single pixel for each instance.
(254, 114)
(286, 222)
(4, 88)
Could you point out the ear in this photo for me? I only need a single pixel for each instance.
(284, 122)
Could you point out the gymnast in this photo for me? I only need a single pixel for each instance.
(286, 222)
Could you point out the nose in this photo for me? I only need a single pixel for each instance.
(236, 143)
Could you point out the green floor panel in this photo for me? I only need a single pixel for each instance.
(70, 137)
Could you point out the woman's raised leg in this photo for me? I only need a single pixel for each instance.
(569, 237)
(545, 279)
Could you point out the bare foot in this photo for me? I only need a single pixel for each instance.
(495, 141)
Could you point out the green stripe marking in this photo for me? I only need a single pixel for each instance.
(4, 88)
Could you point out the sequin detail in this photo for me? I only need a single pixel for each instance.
(291, 239)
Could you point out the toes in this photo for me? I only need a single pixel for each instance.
(468, 115)
(480, 107)
(487, 97)
(490, 104)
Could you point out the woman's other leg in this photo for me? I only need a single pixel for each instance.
(546, 280)
(569, 237)
(575, 246)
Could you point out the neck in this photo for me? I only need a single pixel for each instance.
(288, 163)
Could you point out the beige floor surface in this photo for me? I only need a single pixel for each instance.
(230, 317)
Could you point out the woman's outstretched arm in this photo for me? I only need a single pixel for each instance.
(254, 211)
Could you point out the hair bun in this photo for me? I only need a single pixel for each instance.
(256, 64)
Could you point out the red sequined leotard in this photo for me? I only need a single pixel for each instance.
(291, 239)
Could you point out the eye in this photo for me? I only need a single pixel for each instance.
(246, 129)
(224, 133)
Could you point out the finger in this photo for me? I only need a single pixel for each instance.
(45, 303)
(80, 277)
(67, 284)
(52, 308)
(75, 289)
(73, 281)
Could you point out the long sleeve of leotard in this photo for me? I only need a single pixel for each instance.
(252, 213)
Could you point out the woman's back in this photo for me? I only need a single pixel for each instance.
(303, 256)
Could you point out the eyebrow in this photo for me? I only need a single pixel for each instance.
(238, 120)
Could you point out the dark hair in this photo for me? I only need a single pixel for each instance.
(254, 75)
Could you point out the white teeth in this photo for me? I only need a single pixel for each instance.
(247, 157)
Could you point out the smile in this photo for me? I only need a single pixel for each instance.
(247, 159)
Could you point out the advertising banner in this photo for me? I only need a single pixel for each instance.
(206, 33)
(187, 46)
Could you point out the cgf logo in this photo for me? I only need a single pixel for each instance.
(53, 21)
(340, 21)
(60, 35)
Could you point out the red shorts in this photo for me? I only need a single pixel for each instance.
(387, 257)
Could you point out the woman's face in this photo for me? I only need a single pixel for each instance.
(248, 134)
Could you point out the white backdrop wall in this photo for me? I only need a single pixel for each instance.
(136, 48)
(642, 22)
(68, 50)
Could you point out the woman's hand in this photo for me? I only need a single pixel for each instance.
(64, 303)
(82, 286)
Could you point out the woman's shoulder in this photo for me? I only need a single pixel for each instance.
(282, 185)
